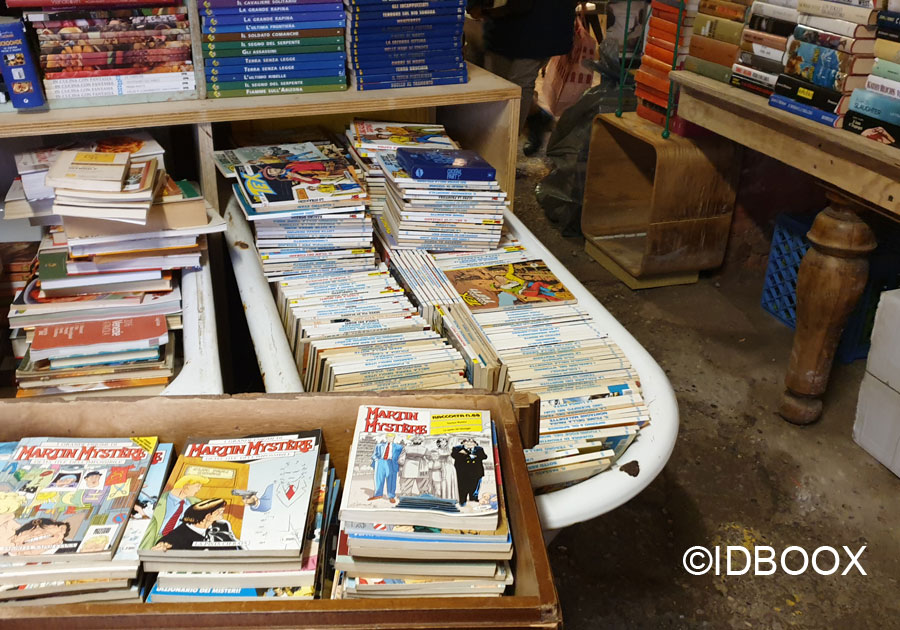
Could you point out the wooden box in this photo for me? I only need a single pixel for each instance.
(532, 604)
(656, 211)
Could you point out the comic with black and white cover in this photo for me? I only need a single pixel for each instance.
(68, 499)
(415, 466)
(236, 497)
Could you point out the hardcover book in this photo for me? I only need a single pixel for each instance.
(453, 447)
(71, 497)
(231, 497)
(823, 66)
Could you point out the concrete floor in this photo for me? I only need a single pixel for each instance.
(739, 474)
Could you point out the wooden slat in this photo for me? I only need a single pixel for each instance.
(864, 168)
(483, 87)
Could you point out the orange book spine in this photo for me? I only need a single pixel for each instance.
(664, 36)
(654, 96)
(661, 54)
(714, 51)
(663, 25)
(724, 9)
(655, 66)
(650, 114)
(652, 81)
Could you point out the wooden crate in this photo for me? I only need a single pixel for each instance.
(532, 604)
(656, 211)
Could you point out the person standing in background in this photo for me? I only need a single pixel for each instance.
(519, 39)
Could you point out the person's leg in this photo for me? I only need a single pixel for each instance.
(522, 72)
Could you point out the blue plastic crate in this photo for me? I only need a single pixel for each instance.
(779, 294)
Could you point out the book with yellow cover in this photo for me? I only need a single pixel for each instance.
(88, 170)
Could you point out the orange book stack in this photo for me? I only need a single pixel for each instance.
(666, 45)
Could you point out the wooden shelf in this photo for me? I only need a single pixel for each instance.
(866, 169)
(483, 87)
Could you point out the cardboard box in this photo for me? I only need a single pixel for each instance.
(884, 354)
(533, 602)
(877, 426)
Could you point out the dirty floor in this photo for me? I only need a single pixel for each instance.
(739, 474)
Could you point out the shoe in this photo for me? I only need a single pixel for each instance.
(392, 500)
(375, 497)
(536, 124)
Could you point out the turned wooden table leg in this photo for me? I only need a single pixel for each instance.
(831, 279)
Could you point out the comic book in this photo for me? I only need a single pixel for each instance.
(229, 159)
(371, 135)
(236, 497)
(429, 467)
(320, 183)
(504, 286)
(70, 497)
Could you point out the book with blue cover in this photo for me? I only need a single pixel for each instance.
(285, 26)
(459, 76)
(267, 9)
(449, 164)
(390, 61)
(806, 111)
(437, 68)
(17, 66)
(876, 105)
(336, 57)
(272, 18)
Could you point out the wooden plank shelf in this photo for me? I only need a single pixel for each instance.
(483, 87)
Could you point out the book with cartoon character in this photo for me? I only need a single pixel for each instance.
(67, 499)
(300, 184)
(231, 497)
(230, 159)
(429, 467)
(499, 287)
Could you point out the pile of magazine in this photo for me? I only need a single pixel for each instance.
(121, 230)
(72, 513)
(423, 512)
(242, 519)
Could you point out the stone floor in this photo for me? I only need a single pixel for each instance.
(738, 475)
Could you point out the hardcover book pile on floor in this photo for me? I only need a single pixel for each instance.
(97, 314)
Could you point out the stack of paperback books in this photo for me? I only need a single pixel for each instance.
(242, 519)
(591, 407)
(121, 231)
(73, 516)
(875, 111)
(405, 43)
(441, 200)
(829, 56)
(260, 47)
(713, 51)
(423, 512)
(307, 207)
(664, 35)
(89, 52)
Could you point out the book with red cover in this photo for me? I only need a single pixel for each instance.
(669, 36)
(656, 97)
(714, 51)
(652, 81)
(661, 54)
(97, 337)
(656, 67)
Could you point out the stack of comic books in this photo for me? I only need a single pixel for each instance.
(260, 47)
(241, 519)
(440, 200)
(72, 511)
(423, 512)
(405, 43)
(308, 210)
(591, 408)
(94, 52)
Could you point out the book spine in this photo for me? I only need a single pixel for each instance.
(272, 19)
(839, 27)
(137, 22)
(708, 69)
(17, 67)
(891, 36)
(170, 43)
(278, 43)
(889, 51)
(889, 21)
(886, 69)
(808, 93)
(771, 25)
(212, 4)
(826, 8)
(760, 63)
(765, 39)
(876, 105)
(111, 72)
(883, 86)
(54, 92)
(152, 55)
(265, 10)
(410, 69)
(270, 76)
(718, 28)
(98, 36)
(387, 14)
(412, 76)
(413, 83)
(819, 37)
(276, 85)
(801, 109)
(714, 51)
(872, 5)
(258, 60)
(391, 61)
(749, 85)
(773, 54)
(289, 26)
(774, 11)
(869, 127)
(422, 31)
(663, 25)
(723, 9)
(652, 80)
(236, 55)
(765, 78)
(354, 21)
(44, 4)
(273, 35)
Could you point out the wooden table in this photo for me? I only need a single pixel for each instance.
(862, 175)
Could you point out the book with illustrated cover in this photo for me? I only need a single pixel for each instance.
(236, 497)
(371, 135)
(455, 447)
(444, 164)
(230, 159)
(70, 497)
(87, 338)
(498, 287)
(300, 184)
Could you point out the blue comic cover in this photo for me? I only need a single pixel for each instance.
(454, 164)
(62, 498)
